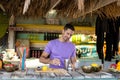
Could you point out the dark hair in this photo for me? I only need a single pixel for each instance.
(69, 26)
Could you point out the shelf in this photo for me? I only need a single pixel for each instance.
(39, 44)
(38, 41)
(51, 28)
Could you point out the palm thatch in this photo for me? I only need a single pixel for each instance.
(111, 11)
(64, 8)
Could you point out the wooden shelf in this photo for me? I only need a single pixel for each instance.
(38, 41)
(38, 45)
(52, 28)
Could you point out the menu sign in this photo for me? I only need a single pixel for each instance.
(16, 28)
(52, 21)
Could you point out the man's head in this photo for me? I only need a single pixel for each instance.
(69, 26)
(67, 32)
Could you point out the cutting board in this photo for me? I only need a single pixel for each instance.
(52, 70)
(57, 72)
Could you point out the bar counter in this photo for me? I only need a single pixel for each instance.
(31, 74)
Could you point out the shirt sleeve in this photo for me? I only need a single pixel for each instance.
(74, 52)
(48, 48)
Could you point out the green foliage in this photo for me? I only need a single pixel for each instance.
(3, 24)
(3, 29)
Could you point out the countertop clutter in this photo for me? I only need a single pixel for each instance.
(35, 73)
(32, 72)
(57, 74)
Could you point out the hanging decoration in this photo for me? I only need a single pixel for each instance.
(12, 21)
(81, 5)
(26, 5)
(1, 6)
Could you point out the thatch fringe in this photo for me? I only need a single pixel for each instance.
(111, 11)
(65, 8)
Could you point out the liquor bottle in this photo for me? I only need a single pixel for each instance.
(38, 54)
(55, 35)
(33, 53)
(45, 36)
(48, 36)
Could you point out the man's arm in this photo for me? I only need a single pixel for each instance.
(73, 61)
(44, 59)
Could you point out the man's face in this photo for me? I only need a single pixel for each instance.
(66, 34)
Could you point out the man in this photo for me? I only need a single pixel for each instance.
(60, 49)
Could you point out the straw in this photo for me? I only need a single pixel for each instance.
(23, 59)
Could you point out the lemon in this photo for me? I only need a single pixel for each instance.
(94, 65)
(44, 68)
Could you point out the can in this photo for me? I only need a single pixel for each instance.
(66, 62)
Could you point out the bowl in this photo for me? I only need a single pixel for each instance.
(97, 68)
(9, 67)
(86, 69)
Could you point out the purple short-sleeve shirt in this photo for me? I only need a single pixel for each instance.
(60, 50)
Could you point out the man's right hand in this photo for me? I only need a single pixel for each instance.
(55, 61)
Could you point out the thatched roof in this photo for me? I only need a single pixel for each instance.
(64, 8)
